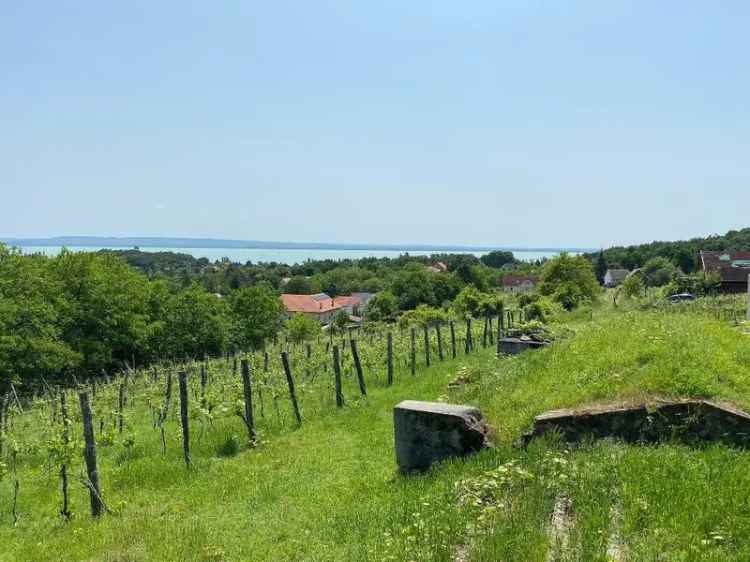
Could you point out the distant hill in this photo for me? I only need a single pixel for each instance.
(683, 253)
(156, 242)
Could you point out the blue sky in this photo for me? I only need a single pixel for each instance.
(526, 123)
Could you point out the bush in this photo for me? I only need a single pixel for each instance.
(569, 280)
(541, 309)
(301, 327)
(659, 271)
(230, 447)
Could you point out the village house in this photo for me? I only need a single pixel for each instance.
(519, 283)
(438, 267)
(323, 307)
(733, 269)
(615, 277)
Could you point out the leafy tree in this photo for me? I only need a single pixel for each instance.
(498, 258)
(195, 323)
(468, 302)
(31, 342)
(474, 275)
(601, 267)
(340, 321)
(632, 286)
(301, 327)
(257, 315)
(381, 306)
(105, 315)
(413, 287)
(570, 280)
(298, 285)
(658, 272)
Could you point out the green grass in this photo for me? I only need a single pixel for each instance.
(330, 490)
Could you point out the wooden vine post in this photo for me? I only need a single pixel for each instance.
(426, 345)
(184, 417)
(358, 366)
(413, 352)
(485, 333)
(89, 455)
(439, 334)
(65, 511)
(3, 420)
(120, 407)
(247, 388)
(469, 342)
(389, 359)
(337, 377)
(290, 383)
(204, 383)
(453, 338)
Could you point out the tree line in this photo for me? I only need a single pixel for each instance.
(88, 313)
(683, 254)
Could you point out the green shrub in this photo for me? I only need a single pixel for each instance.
(230, 447)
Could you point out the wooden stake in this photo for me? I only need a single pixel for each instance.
(358, 367)
(426, 345)
(413, 351)
(439, 334)
(290, 383)
(389, 359)
(184, 417)
(337, 377)
(453, 338)
(65, 511)
(120, 407)
(248, 392)
(89, 455)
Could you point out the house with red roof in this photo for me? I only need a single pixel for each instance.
(732, 267)
(321, 306)
(515, 283)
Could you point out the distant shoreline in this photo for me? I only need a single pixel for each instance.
(154, 242)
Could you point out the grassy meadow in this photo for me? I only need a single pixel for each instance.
(329, 490)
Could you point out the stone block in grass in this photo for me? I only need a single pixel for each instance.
(514, 346)
(687, 420)
(428, 432)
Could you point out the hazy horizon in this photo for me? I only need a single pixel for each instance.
(583, 124)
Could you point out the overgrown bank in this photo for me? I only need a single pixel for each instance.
(329, 491)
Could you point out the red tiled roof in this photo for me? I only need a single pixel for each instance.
(516, 280)
(733, 267)
(308, 304)
(347, 301)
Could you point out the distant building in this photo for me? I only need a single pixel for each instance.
(520, 283)
(732, 267)
(615, 277)
(322, 307)
(438, 267)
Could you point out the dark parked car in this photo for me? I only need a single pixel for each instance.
(682, 297)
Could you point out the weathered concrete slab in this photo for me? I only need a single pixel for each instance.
(427, 432)
(514, 346)
(683, 420)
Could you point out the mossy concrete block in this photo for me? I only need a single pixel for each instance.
(514, 346)
(428, 432)
(687, 420)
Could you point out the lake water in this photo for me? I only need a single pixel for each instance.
(257, 255)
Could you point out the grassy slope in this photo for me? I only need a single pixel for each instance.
(329, 491)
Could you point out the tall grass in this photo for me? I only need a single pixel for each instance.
(330, 490)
